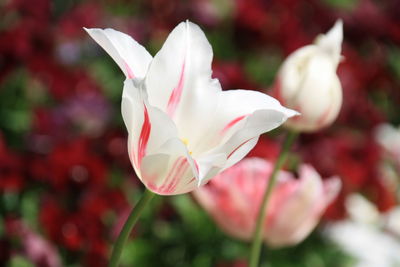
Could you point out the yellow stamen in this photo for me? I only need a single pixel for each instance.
(186, 142)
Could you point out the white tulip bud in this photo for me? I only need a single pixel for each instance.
(307, 82)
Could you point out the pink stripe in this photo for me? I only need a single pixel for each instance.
(176, 94)
(177, 177)
(232, 123)
(230, 154)
(170, 175)
(196, 165)
(191, 180)
(197, 168)
(173, 177)
(144, 136)
(129, 70)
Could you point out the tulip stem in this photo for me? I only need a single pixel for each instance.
(257, 236)
(126, 230)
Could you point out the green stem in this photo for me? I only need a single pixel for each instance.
(130, 222)
(257, 237)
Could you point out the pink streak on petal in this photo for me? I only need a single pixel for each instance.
(176, 94)
(178, 175)
(283, 195)
(191, 180)
(196, 165)
(152, 186)
(232, 123)
(129, 71)
(144, 136)
(230, 154)
(171, 173)
(171, 181)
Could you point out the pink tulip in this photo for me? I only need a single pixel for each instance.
(233, 199)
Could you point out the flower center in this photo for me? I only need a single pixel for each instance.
(186, 142)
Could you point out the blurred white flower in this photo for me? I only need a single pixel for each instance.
(307, 82)
(361, 210)
(366, 235)
(392, 221)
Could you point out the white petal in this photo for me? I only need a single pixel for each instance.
(209, 166)
(322, 90)
(241, 117)
(171, 171)
(148, 127)
(156, 152)
(331, 42)
(131, 57)
(179, 68)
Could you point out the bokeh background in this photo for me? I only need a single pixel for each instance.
(66, 184)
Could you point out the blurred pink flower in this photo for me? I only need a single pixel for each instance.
(183, 129)
(233, 199)
(36, 248)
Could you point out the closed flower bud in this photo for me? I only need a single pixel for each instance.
(307, 81)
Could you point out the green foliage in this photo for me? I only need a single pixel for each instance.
(263, 66)
(30, 207)
(15, 111)
(223, 44)
(190, 238)
(342, 4)
(394, 61)
(110, 78)
(315, 251)
(19, 261)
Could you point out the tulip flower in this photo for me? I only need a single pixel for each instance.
(307, 81)
(233, 199)
(183, 129)
(369, 237)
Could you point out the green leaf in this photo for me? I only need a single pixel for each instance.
(342, 4)
(263, 66)
(30, 208)
(19, 261)
(136, 252)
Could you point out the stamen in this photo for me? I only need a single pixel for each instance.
(186, 142)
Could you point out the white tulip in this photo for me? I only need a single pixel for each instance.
(183, 129)
(307, 82)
